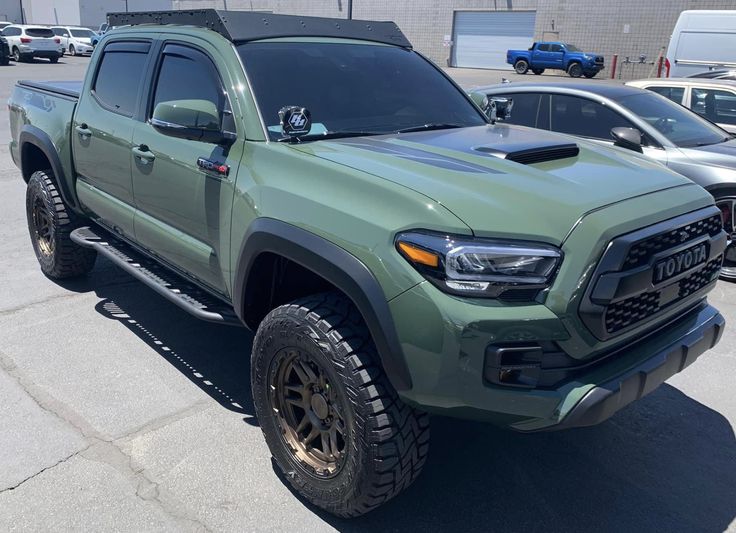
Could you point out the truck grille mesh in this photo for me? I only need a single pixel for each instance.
(632, 310)
(640, 253)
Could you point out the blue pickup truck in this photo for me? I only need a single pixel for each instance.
(555, 55)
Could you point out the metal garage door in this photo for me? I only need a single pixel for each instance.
(480, 39)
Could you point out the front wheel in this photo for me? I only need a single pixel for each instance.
(72, 50)
(590, 75)
(521, 66)
(726, 202)
(50, 222)
(575, 70)
(335, 426)
(16, 55)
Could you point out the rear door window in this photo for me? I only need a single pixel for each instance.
(555, 48)
(119, 76)
(716, 105)
(672, 93)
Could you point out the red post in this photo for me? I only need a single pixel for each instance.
(613, 66)
(660, 62)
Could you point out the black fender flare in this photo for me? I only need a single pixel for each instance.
(37, 137)
(337, 266)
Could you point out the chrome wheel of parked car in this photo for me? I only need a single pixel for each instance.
(727, 205)
(521, 66)
(16, 55)
(72, 51)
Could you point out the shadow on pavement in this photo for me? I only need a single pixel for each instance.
(667, 463)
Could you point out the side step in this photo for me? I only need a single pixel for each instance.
(171, 286)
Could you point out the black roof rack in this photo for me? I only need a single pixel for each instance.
(242, 26)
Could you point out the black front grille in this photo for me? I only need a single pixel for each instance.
(627, 290)
(640, 252)
(599, 60)
(625, 313)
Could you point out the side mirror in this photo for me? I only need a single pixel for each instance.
(195, 120)
(629, 138)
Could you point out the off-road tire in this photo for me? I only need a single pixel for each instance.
(58, 256)
(521, 66)
(728, 197)
(589, 75)
(538, 71)
(575, 70)
(386, 441)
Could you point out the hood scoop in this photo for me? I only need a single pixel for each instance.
(531, 156)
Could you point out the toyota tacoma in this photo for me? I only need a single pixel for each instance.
(395, 251)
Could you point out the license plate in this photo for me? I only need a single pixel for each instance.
(680, 262)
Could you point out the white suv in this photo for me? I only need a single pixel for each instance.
(74, 41)
(27, 42)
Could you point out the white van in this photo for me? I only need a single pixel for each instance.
(701, 40)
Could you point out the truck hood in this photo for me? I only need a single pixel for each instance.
(465, 171)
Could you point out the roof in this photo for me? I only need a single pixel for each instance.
(700, 82)
(606, 89)
(243, 26)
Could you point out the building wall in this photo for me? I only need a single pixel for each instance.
(10, 10)
(51, 11)
(623, 27)
(94, 12)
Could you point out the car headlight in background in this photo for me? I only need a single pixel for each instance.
(485, 268)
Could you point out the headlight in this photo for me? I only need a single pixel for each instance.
(480, 267)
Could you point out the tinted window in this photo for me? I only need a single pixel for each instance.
(572, 48)
(680, 125)
(118, 78)
(81, 33)
(673, 93)
(555, 48)
(526, 109)
(10, 32)
(353, 87)
(184, 78)
(715, 105)
(58, 31)
(579, 116)
(39, 32)
(543, 47)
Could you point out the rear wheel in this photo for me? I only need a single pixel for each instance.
(521, 66)
(575, 70)
(537, 71)
(726, 202)
(49, 223)
(72, 51)
(334, 425)
(16, 55)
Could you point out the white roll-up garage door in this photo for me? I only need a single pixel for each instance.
(481, 38)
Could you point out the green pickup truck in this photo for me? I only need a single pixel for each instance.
(396, 252)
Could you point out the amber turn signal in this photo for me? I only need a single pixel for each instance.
(417, 255)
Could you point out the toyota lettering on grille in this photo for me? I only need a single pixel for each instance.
(680, 262)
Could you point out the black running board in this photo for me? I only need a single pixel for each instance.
(168, 284)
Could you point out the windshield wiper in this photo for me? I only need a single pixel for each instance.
(328, 135)
(429, 127)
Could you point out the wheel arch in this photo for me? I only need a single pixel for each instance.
(270, 238)
(37, 152)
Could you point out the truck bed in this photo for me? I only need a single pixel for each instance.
(70, 89)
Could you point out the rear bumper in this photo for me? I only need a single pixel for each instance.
(605, 399)
(40, 53)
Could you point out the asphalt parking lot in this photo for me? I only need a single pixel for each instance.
(119, 412)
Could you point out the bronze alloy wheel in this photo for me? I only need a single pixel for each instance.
(43, 227)
(727, 205)
(309, 413)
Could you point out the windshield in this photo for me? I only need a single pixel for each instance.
(39, 32)
(572, 47)
(353, 87)
(681, 126)
(81, 33)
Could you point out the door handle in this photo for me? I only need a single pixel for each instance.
(143, 153)
(83, 130)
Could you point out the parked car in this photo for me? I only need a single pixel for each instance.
(701, 39)
(4, 24)
(395, 252)
(4, 52)
(714, 100)
(716, 74)
(555, 55)
(27, 42)
(100, 33)
(74, 40)
(664, 131)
